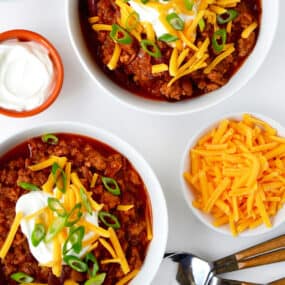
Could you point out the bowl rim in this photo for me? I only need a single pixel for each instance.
(157, 246)
(57, 63)
(239, 79)
(185, 165)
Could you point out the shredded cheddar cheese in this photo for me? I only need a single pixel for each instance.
(157, 68)
(108, 247)
(112, 64)
(128, 277)
(119, 251)
(238, 178)
(124, 208)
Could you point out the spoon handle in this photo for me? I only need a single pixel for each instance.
(256, 255)
(278, 282)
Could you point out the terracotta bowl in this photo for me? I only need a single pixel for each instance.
(25, 35)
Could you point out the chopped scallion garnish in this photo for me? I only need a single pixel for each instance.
(50, 139)
(111, 185)
(109, 220)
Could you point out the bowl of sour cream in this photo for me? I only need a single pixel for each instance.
(31, 73)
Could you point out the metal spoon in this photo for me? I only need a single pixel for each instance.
(193, 270)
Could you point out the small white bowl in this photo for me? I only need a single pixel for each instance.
(187, 191)
(157, 246)
(269, 20)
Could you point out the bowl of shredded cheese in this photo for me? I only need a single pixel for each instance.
(233, 175)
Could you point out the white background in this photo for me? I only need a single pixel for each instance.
(161, 140)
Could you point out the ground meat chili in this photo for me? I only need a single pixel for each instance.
(87, 156)
(133, 69)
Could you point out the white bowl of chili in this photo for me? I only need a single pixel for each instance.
(227, 172)
(243, 71)
(65, 139)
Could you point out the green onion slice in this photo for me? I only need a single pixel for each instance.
(228, 16)
(189, 4)
(168, 38)
(175, 21)
(55, 205)
(219, 40)
(38, 234)
(111, 185)
(55, 170)
(132, 21)
(22, 277)
(144, 1)
(57, 225)
(50, 139)
(151, 48)
(74, 215)
(119, 35)
(91, 257)
(109, 220)
(97, 280)
(75, 263)
(85, 201)
(74, 240)
(202, 24)
(28, 186)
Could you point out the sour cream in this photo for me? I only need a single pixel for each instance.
(26, 75)
(32, 202)
(151, 15)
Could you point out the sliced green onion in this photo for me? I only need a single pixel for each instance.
(114, 222)
(189, 4)
(111, 185)
(91, 257)
(57, 225)
(228, 16)
(119, 35)
(38, 234)
(85, 201)
(28, 186)
(55, 205)
(132, 21)
(175, 21)
(219, 40)
(22, 277)
(74, 215)
(168, 38)
(50, 139)
(75, 263)
(144, 1)
(151, 48)
(97, 280)
(74, 240)
(54, 170)
(202, 24)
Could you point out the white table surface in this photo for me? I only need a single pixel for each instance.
(161, 140)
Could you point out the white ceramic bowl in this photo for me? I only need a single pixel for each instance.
(159, 211)
(187, 191)
(268, 26)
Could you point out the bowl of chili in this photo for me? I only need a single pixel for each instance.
(162, 61)
(82, 204)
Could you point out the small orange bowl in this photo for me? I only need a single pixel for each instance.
(26, 35)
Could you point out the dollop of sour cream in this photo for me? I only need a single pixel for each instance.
(151, 15)
(32, 202)
(26, 75)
